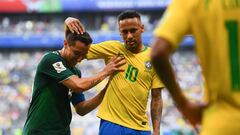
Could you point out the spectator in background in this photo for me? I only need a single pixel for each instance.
(56, 77)
(123, 110)
(215, 25)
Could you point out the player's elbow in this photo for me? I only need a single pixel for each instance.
(81, 88)
(75, 84)
(81, 112)
(81, 108)
(78, 89)
(156, 55)
(160, 49)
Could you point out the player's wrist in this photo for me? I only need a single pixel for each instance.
(103, 74)
(76, 98)
(156, 132)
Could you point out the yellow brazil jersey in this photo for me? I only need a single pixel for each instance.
(215, 25)
(126, 98)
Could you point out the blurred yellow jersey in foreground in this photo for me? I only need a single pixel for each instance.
(215, 25)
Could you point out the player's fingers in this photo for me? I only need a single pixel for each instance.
(81, 27)
(120, 63)
(77, 27)
(113, 59)
(74, 28)
(118, 70)
(121, 70)
(118, 59)
(70, 27)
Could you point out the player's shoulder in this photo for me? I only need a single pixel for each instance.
(52, 56)
(186, 4)
(112, 42)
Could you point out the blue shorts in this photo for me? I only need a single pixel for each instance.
(109, 128)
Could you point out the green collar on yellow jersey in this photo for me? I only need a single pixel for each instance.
(144, 49)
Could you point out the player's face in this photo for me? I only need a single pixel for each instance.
(131, 30)
(76, 53)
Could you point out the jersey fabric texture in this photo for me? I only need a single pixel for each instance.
(126, 98)
(216, 27)
(118, 129)
(50, 112)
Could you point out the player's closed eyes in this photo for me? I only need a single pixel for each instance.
(132, 31)
(77, 53)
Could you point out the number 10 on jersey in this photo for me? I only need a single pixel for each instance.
(132, 73)
(232, 27)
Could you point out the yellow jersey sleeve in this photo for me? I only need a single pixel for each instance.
(104, 50)
(175, 23)
(156, 82)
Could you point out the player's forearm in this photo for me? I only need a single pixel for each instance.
(87, 106)
(87, 83)
(160, 57)
(165, 72)
(156, 114)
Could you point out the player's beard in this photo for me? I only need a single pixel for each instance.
(72, 62)
(131, 45)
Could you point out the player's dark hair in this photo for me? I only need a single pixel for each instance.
(73, 37)
(128, 14)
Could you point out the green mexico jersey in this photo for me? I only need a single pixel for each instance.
(50, 111)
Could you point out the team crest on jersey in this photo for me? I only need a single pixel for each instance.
(70, 94)
(148, 65)
(59, 67)
(55, 52)
(120, 54)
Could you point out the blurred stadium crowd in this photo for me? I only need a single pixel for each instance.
(20, 25)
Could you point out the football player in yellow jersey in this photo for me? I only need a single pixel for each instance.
(215, 25)
(123, 110)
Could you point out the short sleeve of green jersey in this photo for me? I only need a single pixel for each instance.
(55, 67)
(156, 83)
(103, 50)
(168, 28)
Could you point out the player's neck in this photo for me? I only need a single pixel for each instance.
(139, 49)
(62, 53)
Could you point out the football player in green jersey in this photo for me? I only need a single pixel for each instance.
(58, 82)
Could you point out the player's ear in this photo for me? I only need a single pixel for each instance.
(120, 33)
(65, 43)
(119, 29)
(142, 27)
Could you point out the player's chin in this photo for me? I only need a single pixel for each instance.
(74, 63)
(131, 45)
